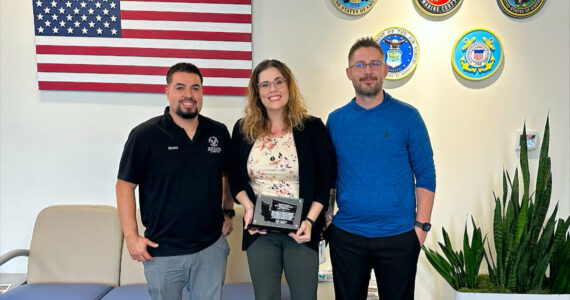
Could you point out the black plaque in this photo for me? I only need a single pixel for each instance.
(277, 213)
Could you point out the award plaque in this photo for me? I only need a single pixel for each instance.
(277, 213)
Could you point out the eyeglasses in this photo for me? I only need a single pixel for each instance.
(278, 83)
(360, 67)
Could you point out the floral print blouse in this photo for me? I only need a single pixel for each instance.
(273, 166)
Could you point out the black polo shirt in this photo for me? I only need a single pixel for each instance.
(179, 181)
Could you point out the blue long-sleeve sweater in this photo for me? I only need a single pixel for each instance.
(383, 153)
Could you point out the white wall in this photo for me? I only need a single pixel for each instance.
(64, 147)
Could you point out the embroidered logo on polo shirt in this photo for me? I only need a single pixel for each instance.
(214, 145)
(170, 148)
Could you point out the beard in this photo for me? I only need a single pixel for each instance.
(187, 113)
(367, 90)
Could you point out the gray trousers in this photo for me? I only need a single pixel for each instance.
(273, 253)
(202, 274)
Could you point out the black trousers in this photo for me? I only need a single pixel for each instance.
(394, 260)
(274, 253)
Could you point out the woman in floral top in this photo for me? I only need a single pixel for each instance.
(278, 149)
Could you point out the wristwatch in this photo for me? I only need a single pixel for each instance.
(423, 226)
(230, 212)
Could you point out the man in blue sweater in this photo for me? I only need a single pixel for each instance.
(385, 185)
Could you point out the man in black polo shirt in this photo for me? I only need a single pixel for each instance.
(180, 162)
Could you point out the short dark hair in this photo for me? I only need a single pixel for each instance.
(363, 43)
(183, 67)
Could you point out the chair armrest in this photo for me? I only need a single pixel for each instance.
(12, 254)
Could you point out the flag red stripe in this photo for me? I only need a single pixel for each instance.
(129, 87)
(143, 52)
(200, 1)
(136, 70)
(187, 35)
(184, 16)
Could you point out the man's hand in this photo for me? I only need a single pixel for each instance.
(421, 235)
(328, 218)
(330, 212)
(228, 226)
(303, 235)
(137, 248)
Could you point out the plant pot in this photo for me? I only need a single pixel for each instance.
(450, 294)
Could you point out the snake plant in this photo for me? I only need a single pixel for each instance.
(526, 242)
(459, 268)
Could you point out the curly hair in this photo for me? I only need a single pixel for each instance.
(255, 122)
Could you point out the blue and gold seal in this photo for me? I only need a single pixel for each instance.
(520, 8)
(438, 8)
(477, 54)
(401, 51)
(354, 7)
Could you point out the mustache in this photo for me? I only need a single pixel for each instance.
(368, 77)
(188, 99)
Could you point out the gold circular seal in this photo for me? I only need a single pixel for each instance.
(520, 8)
(354, 7)
(438, 8)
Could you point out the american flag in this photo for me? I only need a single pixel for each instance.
(128, 46)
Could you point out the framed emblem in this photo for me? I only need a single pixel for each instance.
(438, 8)
(354, 7)
(520, 8)
(401, 51)
(477, 54)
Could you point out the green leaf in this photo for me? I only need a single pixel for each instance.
(559, 260)
(524, 166)
(473, 254)
(542, 204)
(454, 259)
(561, 283)
(498, 235)
(544, 160)
(491, 265)
(560, 266)
(505, 189)
(441, 266)
(514, 200)
(542, 246)
(523, 276)
(509, 253)
(521, 223)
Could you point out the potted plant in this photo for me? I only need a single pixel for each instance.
(524, 245)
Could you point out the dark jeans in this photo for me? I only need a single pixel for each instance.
(394, 260)
(273, 253)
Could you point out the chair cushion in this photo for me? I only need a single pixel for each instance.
(49, 291)
(128, 292)
(133, 292)
(244, 291)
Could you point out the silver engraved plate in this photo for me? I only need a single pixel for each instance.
(277, 213)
